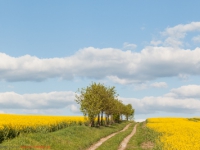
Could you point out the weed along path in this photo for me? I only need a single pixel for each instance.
(102, 140)
(123, 144)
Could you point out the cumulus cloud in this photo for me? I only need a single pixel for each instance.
(189, 91)
(52, 100)
(116, 79)
(185, 99)
(177, 33)
(121, 66)
(150, 105)
(159, 85)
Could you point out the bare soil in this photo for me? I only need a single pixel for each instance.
(147, 145)
(102, 140)
(124, 143)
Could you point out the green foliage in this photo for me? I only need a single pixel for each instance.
(144, 138)
(114, 142)
(97, 100)
(71, 138)
(194, 119)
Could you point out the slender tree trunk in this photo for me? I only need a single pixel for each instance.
(127, 117)
(108, 119)
(92, 123)
(101, 117)
(111, 118)
(98, 120)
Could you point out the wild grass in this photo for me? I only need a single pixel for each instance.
(114, 142)
(144, 138)
(70, 138)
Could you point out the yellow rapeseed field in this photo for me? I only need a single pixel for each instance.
(11, 125)
(177, 133)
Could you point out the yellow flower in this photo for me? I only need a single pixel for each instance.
(177, 133)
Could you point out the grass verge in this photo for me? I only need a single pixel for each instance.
(144, 138)
(113, 143)
(71, 138)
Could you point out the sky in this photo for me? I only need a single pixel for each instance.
(148, 50)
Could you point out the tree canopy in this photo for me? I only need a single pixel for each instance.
(97, 101)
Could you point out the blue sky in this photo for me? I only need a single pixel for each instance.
(148, 50)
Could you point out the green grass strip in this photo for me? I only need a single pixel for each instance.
(114, 142)
(144, 138)
(70, 138)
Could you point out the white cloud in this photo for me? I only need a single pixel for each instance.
(177, 33)
(121, 66)
(150, 105)
(185, 99)
(129, 46)
(189, 91)
(159, 85)
(183, 76)
(180, 30)
(74, 108)
(196, 39)
(140, 120)
(12, 100)
(116, 79)
(156, 43)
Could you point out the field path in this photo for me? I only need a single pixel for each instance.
(102, 140)
(123, 144)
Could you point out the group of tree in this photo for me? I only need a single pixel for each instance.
(101, 103)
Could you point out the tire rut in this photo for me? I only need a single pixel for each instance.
(124, 143)
(102, 140)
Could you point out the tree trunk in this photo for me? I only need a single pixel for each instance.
(101, 117)
(98, 120)
(106, 120)
(111, 118)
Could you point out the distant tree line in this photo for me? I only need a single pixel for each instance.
(98, 101)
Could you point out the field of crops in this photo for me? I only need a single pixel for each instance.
(13, 125)
(177, 133)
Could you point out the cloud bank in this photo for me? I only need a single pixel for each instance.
(52, 100)
(121, 66)
(185, 99)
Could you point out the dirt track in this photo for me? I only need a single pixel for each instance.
(102, 140)
(124, 143)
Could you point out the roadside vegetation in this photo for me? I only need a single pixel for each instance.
(71, 138)
(99, 101)
(114, 142)
(101, 108)
(144, 138)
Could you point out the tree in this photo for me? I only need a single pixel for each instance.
(128, 111)
(109, 106)
(96, 100)
(91, 101)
